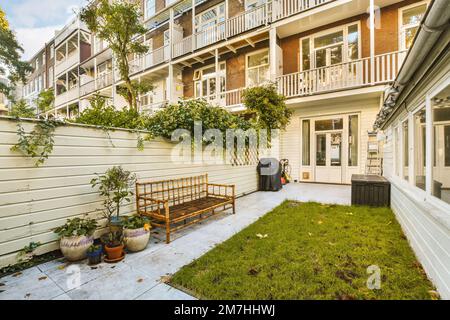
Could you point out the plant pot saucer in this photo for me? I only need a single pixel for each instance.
(114, 260)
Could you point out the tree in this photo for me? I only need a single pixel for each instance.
(10, 58)
(119, 23)
(22, 110)
(268, 105)
(45, 100)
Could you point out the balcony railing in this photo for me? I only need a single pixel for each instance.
(342, 76)
(243, 22)
(102, 81)
(150, 59)
(153, 107)
(286, 8)
(71, 94)
(67, 63)
(230, 99)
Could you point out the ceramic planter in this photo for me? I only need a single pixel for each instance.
(136, 239)
(95, 257)
(75, 248)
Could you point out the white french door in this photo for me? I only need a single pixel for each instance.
(329, 151)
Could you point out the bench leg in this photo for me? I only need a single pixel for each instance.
(234, 206)
(167, 231)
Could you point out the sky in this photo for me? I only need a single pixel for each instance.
(35, 21)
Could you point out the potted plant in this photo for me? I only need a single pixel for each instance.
(136, 231)
(94, 254)
(113, 243)
(115, 187)
(76, 237)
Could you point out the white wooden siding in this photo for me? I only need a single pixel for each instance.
(33, 201)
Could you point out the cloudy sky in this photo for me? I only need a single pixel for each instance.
(35, 21)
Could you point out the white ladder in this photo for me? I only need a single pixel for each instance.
(374, 164)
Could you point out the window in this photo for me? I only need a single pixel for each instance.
(210, 17)
(36, 64)
(50, 77)
(150, 8)
(440, 108)
(205, 81)
(330, 47)
(306, 142)
(329, 124)
(257, 68)
(353, 129)
(397, 151)
(420, 148)
(52, 51)
(410, 18)
(405, 144)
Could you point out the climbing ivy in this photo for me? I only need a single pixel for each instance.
(38, 144)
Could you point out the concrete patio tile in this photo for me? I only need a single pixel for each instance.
(124, 283)
(35, 285)
(18, 276)
(163, 291)
(74, 274)
(62, 297)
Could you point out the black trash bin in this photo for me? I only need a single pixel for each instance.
(269, 170)
(370, 190)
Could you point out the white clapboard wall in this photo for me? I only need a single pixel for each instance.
(35, 200)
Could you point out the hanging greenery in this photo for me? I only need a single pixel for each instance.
(38, 144)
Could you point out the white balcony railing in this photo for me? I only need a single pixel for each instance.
(227, 99)
(150, 59)
(71, 94)
(237, 25)
(286, 8)
(64, 65)
(102, 81)
(153, 107)
(342, 76)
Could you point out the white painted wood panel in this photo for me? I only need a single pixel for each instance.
(33, 201)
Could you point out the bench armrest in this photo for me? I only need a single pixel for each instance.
(222, 190)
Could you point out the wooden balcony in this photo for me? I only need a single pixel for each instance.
(151, 59)
(102, 81)
(342, 76)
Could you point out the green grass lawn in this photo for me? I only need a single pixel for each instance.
(311, 251)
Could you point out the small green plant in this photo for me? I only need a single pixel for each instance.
(45, 100)
(136, 222)
(27, 253)
(112, 239)
(39, 142)
(94, 248)
(77, 227)
(115, 187)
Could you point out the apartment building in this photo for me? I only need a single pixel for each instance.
(41, 78)
(332, 59)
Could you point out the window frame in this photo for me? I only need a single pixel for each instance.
(311, 37)
(197, 28)
(146, 16)
(401, 27)
(259, 66)
(200, 78)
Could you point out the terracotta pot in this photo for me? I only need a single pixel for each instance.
(114, 252)
(75, 248)
(136, 239)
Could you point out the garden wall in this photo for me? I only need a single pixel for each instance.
(35, 200)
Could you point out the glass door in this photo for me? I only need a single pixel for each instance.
(329, 150)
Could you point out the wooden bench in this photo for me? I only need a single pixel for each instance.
(178, 203)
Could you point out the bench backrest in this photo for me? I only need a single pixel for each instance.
(176, 191)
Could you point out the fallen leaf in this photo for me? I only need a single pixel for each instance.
(310, 234)
(165, 279)
(62, 267)
(331, 243)
(140, 280)
(42, 278)
(320, 222)
(27, 295)
(390, 222)
(17, 274)
(349, 213)
(253, 272)
(434, 294)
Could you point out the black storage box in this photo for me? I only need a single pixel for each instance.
(371, 190)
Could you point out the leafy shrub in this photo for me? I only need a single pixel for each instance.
(22, 110)
(268, 105)
(100, 114)
(77, 227)
(183, 115)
